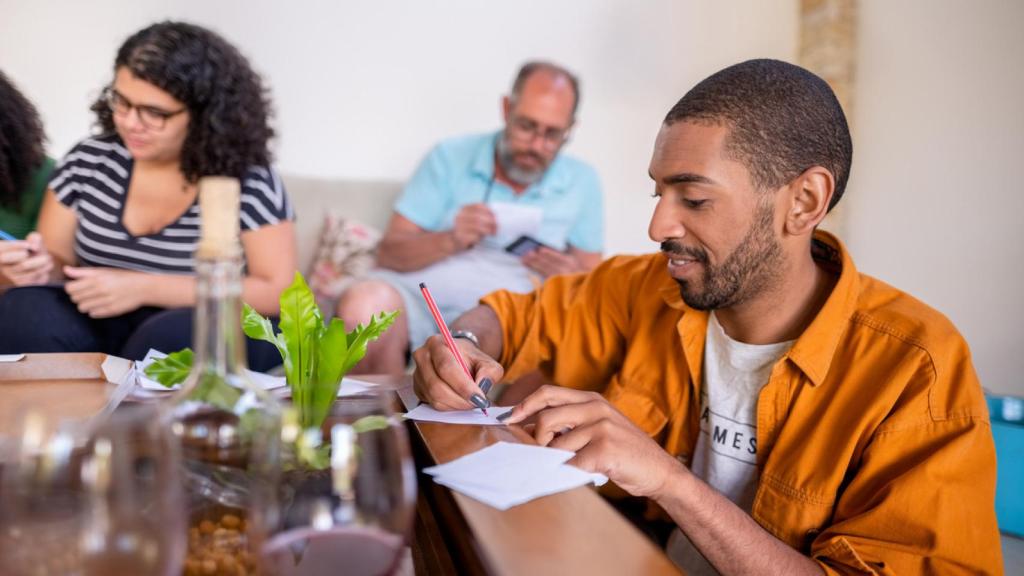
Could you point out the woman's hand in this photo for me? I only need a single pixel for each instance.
(25, 262)
(105, 292)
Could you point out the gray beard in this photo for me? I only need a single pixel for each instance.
(515, 173)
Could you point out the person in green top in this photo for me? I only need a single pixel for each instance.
(24, 168)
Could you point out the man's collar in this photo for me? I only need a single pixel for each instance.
(816, 346)
(483, 164)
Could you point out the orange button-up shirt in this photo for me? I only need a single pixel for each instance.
(875, 454)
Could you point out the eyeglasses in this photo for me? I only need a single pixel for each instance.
(526, 130)
(150, 116)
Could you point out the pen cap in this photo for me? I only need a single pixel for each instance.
(219, 198)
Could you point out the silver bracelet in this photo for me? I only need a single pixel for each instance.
(467, 335)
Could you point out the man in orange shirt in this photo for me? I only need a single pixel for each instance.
(790, 414)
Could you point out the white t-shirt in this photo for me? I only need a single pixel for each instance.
(726, 453)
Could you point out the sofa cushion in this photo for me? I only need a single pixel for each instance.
(367, 201)
(345, 254)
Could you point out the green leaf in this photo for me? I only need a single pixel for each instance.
(257, 327)
(213, 390)
(363, 335)
(172, 369)
(333, 349)
(369, 423)
(301, 327)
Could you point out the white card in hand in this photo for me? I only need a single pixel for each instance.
(475, 416)
(11, 357)
(515, 220)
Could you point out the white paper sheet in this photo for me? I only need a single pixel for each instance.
(11, 357)
(507, 474)
(354, 387)
(515, 220)
(426, 413)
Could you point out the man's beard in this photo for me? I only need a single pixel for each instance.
(753, 266)
(506, 157)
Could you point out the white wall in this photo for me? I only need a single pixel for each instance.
(363, 89)
(936, 196)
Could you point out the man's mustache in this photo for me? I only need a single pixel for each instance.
(672, 248)
(534, 155)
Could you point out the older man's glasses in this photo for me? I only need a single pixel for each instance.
(525, 130)
(151, 117)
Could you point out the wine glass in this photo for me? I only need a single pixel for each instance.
(353, 516)
(93, 497)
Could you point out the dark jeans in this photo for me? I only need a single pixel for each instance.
(44, 319)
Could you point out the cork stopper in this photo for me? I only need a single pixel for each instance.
(218, 207)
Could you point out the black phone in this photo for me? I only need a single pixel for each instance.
(524, 245)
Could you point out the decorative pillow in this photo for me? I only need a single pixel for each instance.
(345, 253)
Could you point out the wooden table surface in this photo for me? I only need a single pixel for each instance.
(68, 386)
(573, 532)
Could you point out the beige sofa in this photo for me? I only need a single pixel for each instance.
(368, 201)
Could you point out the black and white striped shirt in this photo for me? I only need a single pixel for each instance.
(93, 181)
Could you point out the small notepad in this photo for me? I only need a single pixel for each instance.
(475, 416)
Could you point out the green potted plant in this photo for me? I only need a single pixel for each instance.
(316, 357)
(328, 449)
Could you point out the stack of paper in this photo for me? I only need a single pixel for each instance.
(504, 475)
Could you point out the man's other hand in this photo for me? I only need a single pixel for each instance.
(473, 222)
(603, 439)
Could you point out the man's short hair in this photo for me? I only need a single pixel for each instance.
(530, 68)
(783, 119)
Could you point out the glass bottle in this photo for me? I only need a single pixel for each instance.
(229, 428)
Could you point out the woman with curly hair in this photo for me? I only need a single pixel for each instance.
(24, 166)
(120, 221)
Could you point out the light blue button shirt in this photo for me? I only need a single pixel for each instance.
(459, 171)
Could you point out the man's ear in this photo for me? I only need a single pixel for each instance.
(810, 194)
(506, 108)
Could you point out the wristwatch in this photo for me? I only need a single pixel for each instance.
(467, 335)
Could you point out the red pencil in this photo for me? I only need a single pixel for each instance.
(443, 328)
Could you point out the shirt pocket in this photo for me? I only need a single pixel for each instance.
(636, 405)
(790, 514)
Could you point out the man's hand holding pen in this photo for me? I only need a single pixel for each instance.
(440, 381)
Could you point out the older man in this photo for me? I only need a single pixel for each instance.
(790, 414)
(470, 200)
